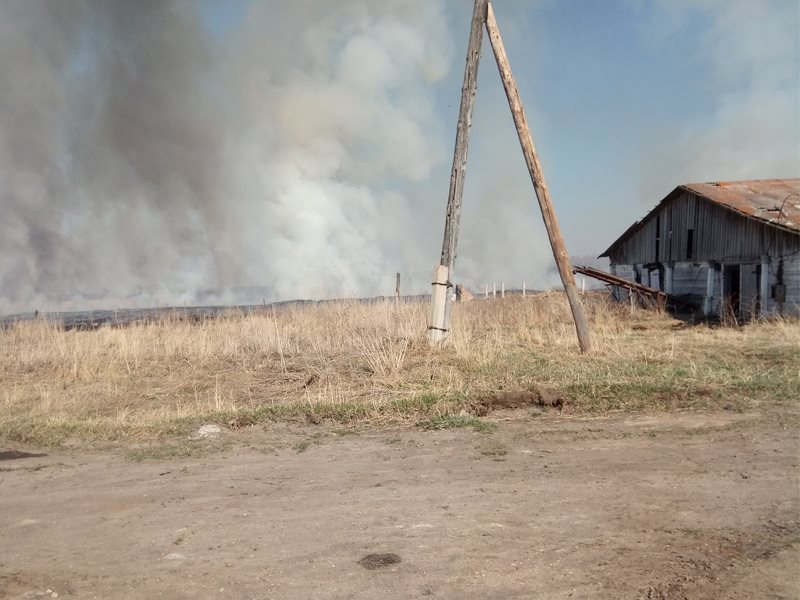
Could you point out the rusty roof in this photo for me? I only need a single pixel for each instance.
(776, 201)
(772, 201)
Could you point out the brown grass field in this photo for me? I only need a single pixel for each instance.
(370, 364)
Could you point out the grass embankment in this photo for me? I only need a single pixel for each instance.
(370, 363)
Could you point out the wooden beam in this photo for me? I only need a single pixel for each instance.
(458, 171)
(437, 331)
(540, 186)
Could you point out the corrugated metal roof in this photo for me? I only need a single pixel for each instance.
(773, 201)
(776, 201)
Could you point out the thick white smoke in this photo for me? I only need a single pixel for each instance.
(144, 158)
(151, 155)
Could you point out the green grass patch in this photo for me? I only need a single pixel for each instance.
(187, 449)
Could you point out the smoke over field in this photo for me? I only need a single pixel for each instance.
(185, 151)
(143, 152)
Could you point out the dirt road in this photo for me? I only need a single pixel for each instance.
(696, 506)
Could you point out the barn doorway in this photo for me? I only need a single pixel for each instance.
(731, 291)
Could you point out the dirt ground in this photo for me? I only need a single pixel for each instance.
(660, 506)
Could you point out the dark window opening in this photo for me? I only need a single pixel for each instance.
(689, 244)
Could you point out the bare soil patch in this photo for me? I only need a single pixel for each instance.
(17, 454)
(700, 505)
(536, 396)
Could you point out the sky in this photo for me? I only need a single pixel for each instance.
(220, 151)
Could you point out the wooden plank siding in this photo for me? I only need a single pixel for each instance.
(790, 275)
(721, 240)
(719, 235)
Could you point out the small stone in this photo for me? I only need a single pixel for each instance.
(208, 430)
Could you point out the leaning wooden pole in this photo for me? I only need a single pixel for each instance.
(439, 319)
(540, 186)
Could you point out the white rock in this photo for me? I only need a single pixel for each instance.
(208, 430)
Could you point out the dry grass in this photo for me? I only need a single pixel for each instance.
(370, 362)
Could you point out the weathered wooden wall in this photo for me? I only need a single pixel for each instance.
(719, 235)
(689, 284)
(791, 279)
(720, 239)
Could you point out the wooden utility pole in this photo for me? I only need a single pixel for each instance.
(397, 289)
(439, 321)
(540, 186)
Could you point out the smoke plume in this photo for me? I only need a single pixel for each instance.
(146, 157)
(177, 151)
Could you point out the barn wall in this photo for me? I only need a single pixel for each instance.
(718, 234)
(690, 284)
(749, 287)
(790, 275)
(625, 272)
(689, 281)
(691, 235)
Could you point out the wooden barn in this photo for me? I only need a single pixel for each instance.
(719, 246)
